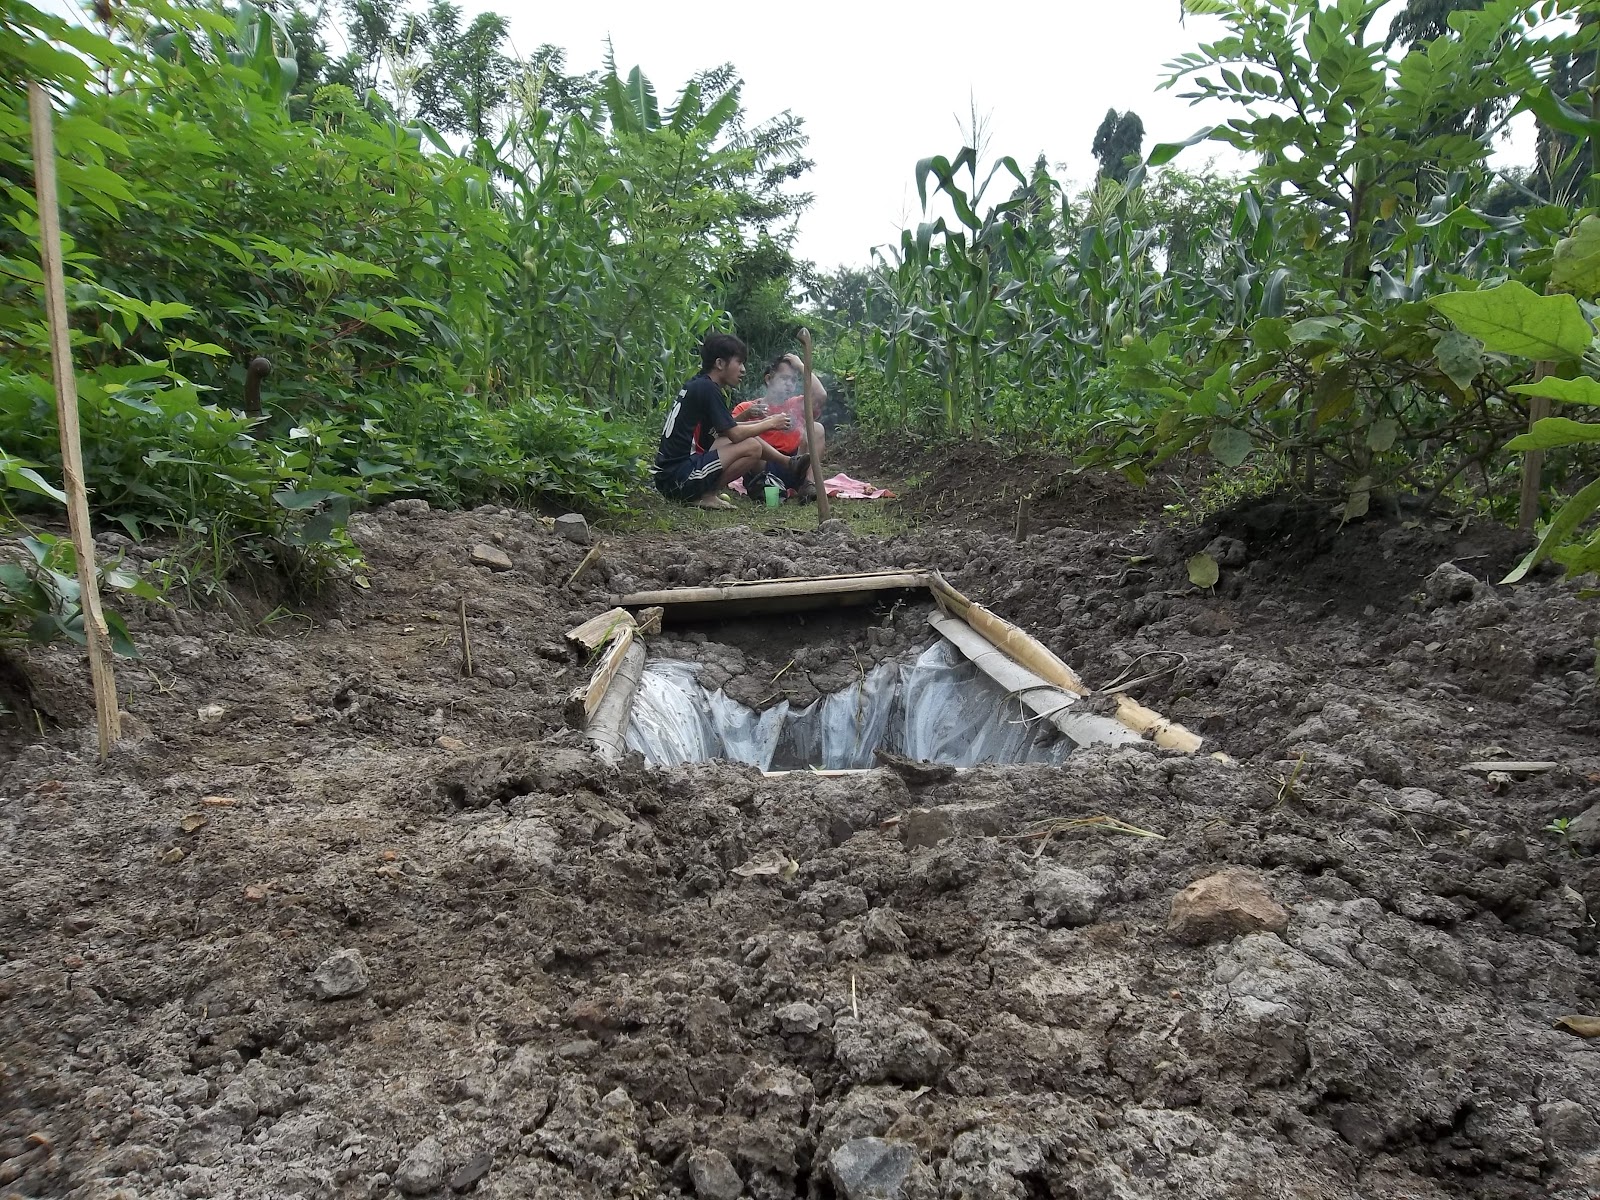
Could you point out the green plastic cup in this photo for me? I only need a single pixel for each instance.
(774, 495)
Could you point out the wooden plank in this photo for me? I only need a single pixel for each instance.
(1510, 768)
(775, 596)
(1020, 646)
(1048, 702)
(107, 716)
(591, 635)
(608, 728)
(1031, 654)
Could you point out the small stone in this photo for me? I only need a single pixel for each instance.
(799, 1017)
(574, 528)
(409, 508)
(1210, 623)
(496, 559)
(871, 1168)
(1228, 552)
(1063, 896)
(1449, 584)
(173, 857)
(713, 1175)
(446, 742)
(1583, 831)
(883, 932)
(475, 1168)
(210, 714)
(342, 973)
(926, 827)
(1223, 906)
(423, 1169)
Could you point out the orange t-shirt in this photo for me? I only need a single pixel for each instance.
(786, 440)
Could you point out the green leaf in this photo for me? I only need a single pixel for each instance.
(1161, 155)
(1582, 390)
(1555, 432)
(1513, 319)
(1316, 329)
(1203, 571)
(1230, 446)
(1460, 357)
(1381, 436)
(1572, 514)
(294, 500)
(26, 479)
(1577, 260)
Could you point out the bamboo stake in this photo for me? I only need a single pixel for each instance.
(96, 634)
(466, 641)
(811, 440)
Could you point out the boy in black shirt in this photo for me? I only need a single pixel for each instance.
(702, 446)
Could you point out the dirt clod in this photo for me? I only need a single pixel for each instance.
(1222, 906)
(713, 1175)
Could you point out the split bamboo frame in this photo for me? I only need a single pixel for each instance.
(792, 595)
(107, 716)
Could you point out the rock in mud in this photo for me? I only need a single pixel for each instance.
(1228, 552)
(1583, 831)
(889, 1049)
(468, 1173)
(343, 973)
(871, 1168)
(574, 528)
(799, 1017)
(1063, 896)
(1223, 906)
(1449, 584)
(496, 559)
(713, 1176)
(409, 508)
(423, 1169)
(883, 933)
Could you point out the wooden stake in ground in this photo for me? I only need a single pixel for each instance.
(55, 293)
(811, 441)
(466, 641)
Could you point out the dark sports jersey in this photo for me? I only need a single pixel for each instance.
(695, 419)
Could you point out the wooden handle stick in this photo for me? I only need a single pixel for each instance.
(811, 439)
(55, 293)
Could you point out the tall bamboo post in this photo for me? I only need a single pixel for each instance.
(811, 439)
(55, 293)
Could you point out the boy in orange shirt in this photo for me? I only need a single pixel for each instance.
(784, 384)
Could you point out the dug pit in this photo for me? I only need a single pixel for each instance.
(836, 672)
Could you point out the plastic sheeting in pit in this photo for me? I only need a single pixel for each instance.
(938, 708)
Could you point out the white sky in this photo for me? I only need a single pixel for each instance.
(881, 85)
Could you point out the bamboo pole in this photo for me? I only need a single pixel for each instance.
(95, 632)
(811, 439)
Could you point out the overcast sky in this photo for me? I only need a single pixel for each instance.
(881, 85)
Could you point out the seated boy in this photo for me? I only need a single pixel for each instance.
(783, 382)
(702, 447)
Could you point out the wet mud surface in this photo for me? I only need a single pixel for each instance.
(569, 980)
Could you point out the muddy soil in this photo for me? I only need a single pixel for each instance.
(340, 922)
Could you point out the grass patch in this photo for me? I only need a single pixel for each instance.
(652, 512)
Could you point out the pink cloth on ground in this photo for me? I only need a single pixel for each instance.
(840, 487)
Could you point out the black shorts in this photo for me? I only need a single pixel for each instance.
(690, 478)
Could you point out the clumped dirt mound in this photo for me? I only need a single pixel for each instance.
(570, 980)
(973, 485)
